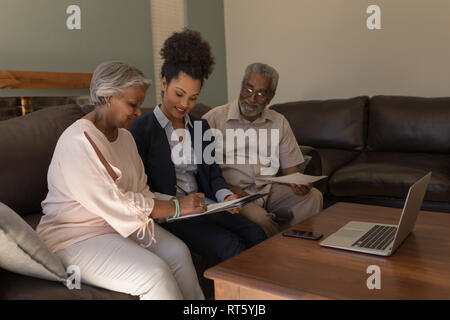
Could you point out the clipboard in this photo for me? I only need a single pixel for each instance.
(222, 206)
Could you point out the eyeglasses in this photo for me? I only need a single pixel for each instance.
(261, 96)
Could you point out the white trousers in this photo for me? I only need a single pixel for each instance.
(163, 271)
(283, 208)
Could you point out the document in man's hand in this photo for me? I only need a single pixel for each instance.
(222, 206)
(296, 178)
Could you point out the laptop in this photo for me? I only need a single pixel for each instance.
(381, 239)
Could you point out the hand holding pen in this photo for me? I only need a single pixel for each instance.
(191, 203)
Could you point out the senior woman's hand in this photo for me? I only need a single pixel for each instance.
(233, 197)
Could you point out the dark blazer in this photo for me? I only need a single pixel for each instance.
(154, 149)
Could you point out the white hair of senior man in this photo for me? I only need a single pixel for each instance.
(114, 78)
(264, 70)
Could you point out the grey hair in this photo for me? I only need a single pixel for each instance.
(264, 70)
(114, 78)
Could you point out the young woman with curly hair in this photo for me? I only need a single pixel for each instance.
(172, 170)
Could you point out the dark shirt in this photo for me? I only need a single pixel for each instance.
(155, 151)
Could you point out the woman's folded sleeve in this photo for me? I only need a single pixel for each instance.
(90, 184)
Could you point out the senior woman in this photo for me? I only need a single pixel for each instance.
(99, 212)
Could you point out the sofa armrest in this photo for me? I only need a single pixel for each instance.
(313, 163)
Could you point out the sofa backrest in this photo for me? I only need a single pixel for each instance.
(336, 123)
(409, 124)
(26, 149)
(198, 111)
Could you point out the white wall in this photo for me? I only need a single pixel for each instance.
(34, 37)
(167, 17)
(323, 48)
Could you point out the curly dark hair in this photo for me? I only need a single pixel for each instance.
(188, 52)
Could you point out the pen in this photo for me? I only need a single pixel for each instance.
(182, 190)
(203, 205)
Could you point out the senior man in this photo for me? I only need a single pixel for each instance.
(247, 118)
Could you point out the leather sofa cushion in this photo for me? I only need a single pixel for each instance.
(33, 219)
(312, 164)
(390, 174)
(411, 124)
(18, 287)
(337, 123)
(27, 145)
(333, 159)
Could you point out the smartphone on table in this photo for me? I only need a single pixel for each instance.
(302, 234)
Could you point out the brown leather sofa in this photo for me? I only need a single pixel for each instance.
(27, 145)
(374, 149)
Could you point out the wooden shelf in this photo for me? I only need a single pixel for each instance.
(44, 80)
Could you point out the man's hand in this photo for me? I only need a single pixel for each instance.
(233, 197)
(300, 189)
(238, 191)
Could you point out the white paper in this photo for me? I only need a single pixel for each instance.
(296, 178)
(220, 206)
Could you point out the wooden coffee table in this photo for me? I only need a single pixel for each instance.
(291, 268)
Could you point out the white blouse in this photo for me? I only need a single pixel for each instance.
(83, 200)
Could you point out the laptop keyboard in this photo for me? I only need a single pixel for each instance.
(379, 237)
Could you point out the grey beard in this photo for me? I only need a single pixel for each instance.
(250, 112)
